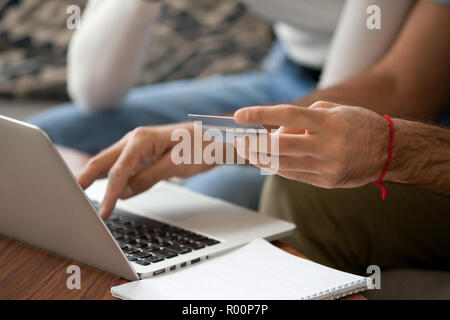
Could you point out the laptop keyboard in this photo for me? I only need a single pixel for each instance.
(146, 241)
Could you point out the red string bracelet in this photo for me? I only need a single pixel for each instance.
(391, 147)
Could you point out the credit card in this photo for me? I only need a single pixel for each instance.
(226, 125)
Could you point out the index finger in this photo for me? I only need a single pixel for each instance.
(282, 115)
(119, 174)
(99, 165)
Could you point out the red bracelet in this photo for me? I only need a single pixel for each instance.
(391, 147)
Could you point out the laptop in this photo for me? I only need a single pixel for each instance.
(163, 229)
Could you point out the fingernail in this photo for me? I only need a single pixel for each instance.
(101, 212)
(242, 114)
(245, 114)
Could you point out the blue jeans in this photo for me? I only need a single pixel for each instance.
(91, 131)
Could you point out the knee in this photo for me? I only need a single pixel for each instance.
(66, 125)
(55, 120)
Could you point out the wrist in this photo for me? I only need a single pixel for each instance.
(380, 144)
(395, 172)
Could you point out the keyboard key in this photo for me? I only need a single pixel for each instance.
(197, 237)
(178, 249)
(128, 231)
(114, 217)
(194, 245)
(131, 250)
(123, 245)
(143, 245)
(130, 257)
(115, 227)
(117, 236)
(129, 239)
(145, 236)
(167, 254)
(142, 254)
(129, 223)
(143, 262)
(154, 259)
(210, 242)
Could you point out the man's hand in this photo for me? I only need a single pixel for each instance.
(326, 145)
(135, 163)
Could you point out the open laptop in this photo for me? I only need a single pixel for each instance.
(163, 229)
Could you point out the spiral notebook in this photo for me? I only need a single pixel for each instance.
(257, 270)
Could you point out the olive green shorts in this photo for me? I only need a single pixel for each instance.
(350, 229)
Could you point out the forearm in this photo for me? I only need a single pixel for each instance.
(107, 52)
(421, 156)
(375, 90)
(411, 79)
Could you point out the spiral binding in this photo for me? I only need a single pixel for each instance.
(340, 291)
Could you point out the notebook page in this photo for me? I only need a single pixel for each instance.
(257, 270)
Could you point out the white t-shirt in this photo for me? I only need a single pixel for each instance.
(304, 27)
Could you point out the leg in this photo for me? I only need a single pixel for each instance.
(350, 229)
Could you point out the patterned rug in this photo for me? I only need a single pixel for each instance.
(191, 39)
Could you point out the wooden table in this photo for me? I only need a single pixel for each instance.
(30, 273)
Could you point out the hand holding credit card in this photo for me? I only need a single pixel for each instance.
(226, 125)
